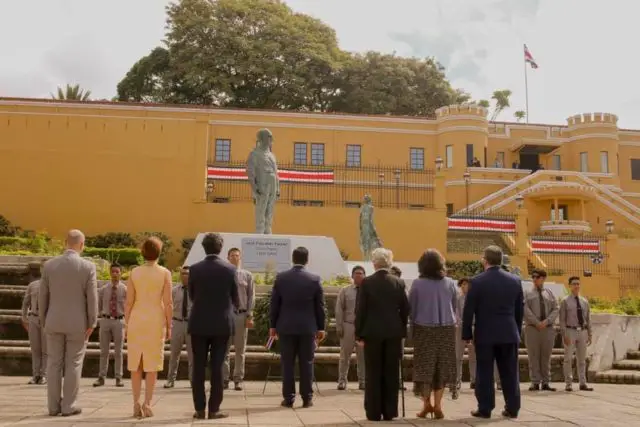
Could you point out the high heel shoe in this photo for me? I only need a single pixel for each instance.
(426, 411)
(146, 410)
(137, 410)
(438, 414)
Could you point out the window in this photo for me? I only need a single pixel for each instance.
(635, 169)
(584, 162)
(223, 150)
(499, 159)
(449, 209)
(416, 157)
(469, 154)
(352, 205)
(317, 154)
(449, 156)
(604, 162)
(562, 213)
(555, 163)
(353, 155)
(300, 153)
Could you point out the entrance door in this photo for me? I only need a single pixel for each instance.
(529, 161)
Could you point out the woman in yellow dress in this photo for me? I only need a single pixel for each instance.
(148, 323)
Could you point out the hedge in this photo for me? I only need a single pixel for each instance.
(123, 256)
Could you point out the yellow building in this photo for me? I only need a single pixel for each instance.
(178, 169)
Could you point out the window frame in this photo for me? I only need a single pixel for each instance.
(297, 160)
(226, 150)
(350, 158)
(419, 157)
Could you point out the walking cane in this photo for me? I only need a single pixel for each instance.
(402, 387)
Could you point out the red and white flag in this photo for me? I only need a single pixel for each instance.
(529, 58)
(240, 174)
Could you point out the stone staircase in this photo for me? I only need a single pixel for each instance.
(625, 371)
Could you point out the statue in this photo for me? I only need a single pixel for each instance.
(369, 239)
(262, 171)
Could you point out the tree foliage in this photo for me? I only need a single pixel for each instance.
(69, 92)
(261, 54)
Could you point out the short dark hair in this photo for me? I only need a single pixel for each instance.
(212, 243)
(463, 280)
(151, 248)
(233, 250)
(396, 270)
(493, 255)
(184, 268)
(115, 265)
(572, 278)
(358, 268)
(504, 267)
(539, 272)
(300, 255)
(431, 265)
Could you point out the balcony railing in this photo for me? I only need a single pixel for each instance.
(330, 185)
(565, 225)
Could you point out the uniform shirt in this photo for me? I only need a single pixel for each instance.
(178, 293)
(104, 298)
(532, 307)
(246, 290)
(346, 305)
(30, 301)
(569, 314)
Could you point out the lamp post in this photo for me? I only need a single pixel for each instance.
(396, 175)
(519, 201)
(380, 182)
(609, 226)
(467, 181)
(438, 164)
(209, 190)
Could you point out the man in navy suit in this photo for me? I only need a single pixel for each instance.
(496, 302)
(213, 291)
(297, 317)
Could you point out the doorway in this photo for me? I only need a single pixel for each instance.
(529, 161)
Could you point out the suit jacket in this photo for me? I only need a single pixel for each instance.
(297, 303)
(213, 292)
(68, 299)
(496, 301)
(382, 310)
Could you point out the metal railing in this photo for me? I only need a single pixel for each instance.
(330, 185)
(629, 280)
(569, 255)
(472, 232)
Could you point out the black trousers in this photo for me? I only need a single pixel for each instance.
(302, 347)
(382, 373)
(214, 348)
(506, 357)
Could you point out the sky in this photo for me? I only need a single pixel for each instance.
(579, 45)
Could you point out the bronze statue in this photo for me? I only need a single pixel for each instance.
(369, 239)
(262, 171)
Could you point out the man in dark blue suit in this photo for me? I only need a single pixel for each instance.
(298, 319)
(495, 302)
(213, 291)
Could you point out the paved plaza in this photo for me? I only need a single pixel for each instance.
(24, 405)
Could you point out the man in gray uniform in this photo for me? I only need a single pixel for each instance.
(243, 321)
(111, 302)
(31, 323)
(68, 308)
(345, 318)
(540, 313)
(575, 327)
(179, 335)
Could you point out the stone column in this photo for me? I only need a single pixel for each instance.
(613, 265)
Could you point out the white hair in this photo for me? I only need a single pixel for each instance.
(75, 238)
(382, 258)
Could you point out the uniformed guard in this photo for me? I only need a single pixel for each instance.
(179, 335)
(345, 318)
(111, 302)
(31, 323)
(575, 327)
(540, 313)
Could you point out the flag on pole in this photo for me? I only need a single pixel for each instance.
(529, 58)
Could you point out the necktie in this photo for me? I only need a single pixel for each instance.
(185, 300)
(580, 314)
(543, 311)
(113, 304)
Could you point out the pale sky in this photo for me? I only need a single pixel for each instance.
(581, 46)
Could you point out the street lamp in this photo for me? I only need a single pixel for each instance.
(609, 226)
(380, 182)
(519, 201)
(438, 164)
(209, 190)
(396, 175)
(467, 181)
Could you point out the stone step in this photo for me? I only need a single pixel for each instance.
(616, 376)
(16, 361)
(633, 354)
(627, 365)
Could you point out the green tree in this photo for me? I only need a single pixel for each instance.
(74, 93)
(520, 115)
(501, 97)
(146, 80)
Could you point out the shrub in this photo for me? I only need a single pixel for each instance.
(123, 256)
(460, 269)
(37, 244)
(167, 244)
(111, 240)
(186, 245)
(629, 306)
(6, 228)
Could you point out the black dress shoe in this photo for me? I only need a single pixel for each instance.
(169, 384)
(585, 387)
(342, 385)
(508, 414)
(99, 382)
(42, 380)
(568, 388)
(218, 415)
(238, 386)
(534, 387)
(286, 404)
(225, 385)
(472, 386)
(119, 382)
(34, 380)
(479, 414)
(547, 387)
(307, 403)
(75, 411)
(54, 414)
(198, 415)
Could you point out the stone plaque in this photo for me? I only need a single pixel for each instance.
(261, 253)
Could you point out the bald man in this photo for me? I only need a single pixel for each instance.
(68, 308)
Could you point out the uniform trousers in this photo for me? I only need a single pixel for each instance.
(179, 338)
(347, 344)
(539, 345)
(239, 341)
(578, 344)
(111, 330)
(38, 344)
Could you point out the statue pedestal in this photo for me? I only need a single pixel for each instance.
(263, 252)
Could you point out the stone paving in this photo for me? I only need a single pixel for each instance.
(24, 405)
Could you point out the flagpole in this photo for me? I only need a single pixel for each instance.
(526, 88)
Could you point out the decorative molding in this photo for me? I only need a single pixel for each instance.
(461, 117)
(592, 125)
(94, 116)
(500, 170)
(593, 136)
(456, 183)
(582, 226)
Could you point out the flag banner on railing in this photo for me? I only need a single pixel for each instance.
(482, 224)
(566, 246)
(240, 174)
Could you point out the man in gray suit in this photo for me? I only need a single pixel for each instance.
(68, 307)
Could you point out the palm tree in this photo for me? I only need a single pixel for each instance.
(72, 93)
(502, 101)
(520, 115)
